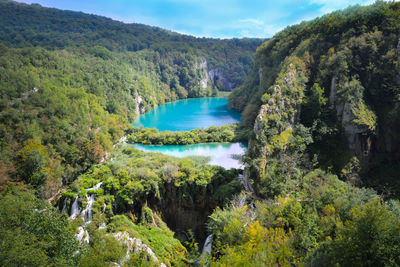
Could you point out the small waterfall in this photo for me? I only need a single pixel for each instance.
(207, 245)
(96, 187)
(64, 209)
(206, 251)
(74, 209)
(82, 233)
(87, 212)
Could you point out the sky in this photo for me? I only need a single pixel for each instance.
(208, 18)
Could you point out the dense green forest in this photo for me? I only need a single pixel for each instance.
(321, 105)
(334, 83)
(323, 100)
(71, 83)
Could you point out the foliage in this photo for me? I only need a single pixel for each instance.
(364, 116)
(324, 221)
(158, 236)
(344, 89)
(369, 238)
(33, 233)
(137, 184)
(225, 133)
(260, 247)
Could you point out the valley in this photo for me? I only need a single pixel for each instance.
(124, 144)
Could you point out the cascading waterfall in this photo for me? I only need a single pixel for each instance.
(74, 209)
(65, 205)
(86, 214)
(82, 233)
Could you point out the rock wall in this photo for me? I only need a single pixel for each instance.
(213, 78)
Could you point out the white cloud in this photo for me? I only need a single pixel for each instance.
(252, 21)
(332, 5)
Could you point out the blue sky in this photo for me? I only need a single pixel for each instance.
(208, 18)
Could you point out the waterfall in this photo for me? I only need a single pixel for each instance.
(97, 186)
(206, 250)
(82, 233)
(65, 205)
(74, 209)
(207, 245)
(87, 212)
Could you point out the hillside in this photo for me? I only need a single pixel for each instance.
(323, 103)
(333, 82)
(71, 82)
(32, 25)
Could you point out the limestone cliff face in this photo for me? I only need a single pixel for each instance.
(360, 138)
(276, 120)
(139, 105)
(213, 78)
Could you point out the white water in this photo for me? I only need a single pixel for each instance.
(65, 205)
(87, 212)
(82, 233)
(74, 209)
(90, 201)
(207, 245)
(96, 187)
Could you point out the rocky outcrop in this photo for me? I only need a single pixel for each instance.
(359, 137)
(139, 105)
(135, 245)
(332, 94)
(187, 212)
(213, 78)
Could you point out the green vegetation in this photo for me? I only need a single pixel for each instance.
(69, 90)
(33, 233)
(133, 178)
(323, 99)
(32, 25)
(334, 82)
(146, 187)
(225, 133)
(320, 106)
(323, 222)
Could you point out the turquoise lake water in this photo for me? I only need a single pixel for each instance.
(221, 154)
(184, 115)
(189, 114)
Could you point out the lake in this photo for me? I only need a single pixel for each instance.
(221, 154)
(189, 114)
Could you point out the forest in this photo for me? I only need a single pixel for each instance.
(320, 106)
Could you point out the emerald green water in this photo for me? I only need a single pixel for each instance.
(187, 115)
